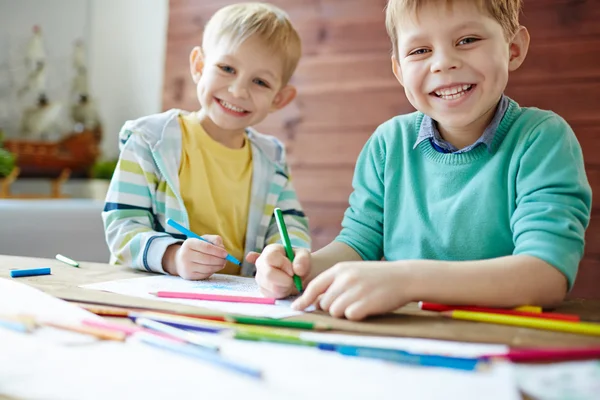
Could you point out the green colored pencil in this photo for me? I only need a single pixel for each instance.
(273, 338)
(278, 323)
(287, 244)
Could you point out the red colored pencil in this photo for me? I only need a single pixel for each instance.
(441, 307)
(215, 297)
(550, 354)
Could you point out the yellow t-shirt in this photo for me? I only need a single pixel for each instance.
(215, 183)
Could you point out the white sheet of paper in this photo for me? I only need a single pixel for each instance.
(576, 380)
(18, 298)
(216, 284)
(133, 370)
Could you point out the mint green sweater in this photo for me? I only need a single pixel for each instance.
(527, 194)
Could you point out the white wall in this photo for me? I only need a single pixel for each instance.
(125, 42)
(127, 57)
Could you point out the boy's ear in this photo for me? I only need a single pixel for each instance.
(283, 98)
(518, 48)
(196, 63)
(397, 70)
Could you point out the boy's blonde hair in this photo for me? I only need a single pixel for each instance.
(506, 12)
(238, 22)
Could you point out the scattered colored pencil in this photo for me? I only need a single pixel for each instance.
(287, 244)
(67, 260)
(272, 338)
(17, 323)
(550, 354)
(275, 335)
(191, 234)
(282, 323)
(215, 326)
(100, 333)
(180, 322)
(215, 297)
(404, 357)
(18, 273)
(198, 353)
(533, 309)
(184, 336)
(584, 328)
(126, 329)
(123, 328)
(441, 307)
(110, 310)
(106, 311)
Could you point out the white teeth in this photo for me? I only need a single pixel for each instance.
(453, 92)
(231, 106)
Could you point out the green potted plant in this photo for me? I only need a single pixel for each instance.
(101, 174)
(7, 162)
(7, 166)
(104, 169)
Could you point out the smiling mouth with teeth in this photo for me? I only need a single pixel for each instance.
(454, 92)
(231, 107)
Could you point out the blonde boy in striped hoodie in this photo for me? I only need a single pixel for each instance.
(209, 170)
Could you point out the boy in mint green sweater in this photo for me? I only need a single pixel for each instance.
(471, 200)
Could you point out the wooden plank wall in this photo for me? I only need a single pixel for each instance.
(346, 88)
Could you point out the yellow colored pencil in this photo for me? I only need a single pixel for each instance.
(584, 328)
(534, 309)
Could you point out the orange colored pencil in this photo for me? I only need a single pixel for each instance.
(104, 334)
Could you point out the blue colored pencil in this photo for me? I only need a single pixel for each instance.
(404, 357)
(191, 234)
(180, 325)
(17, 273)
(16, 324)
(178, 333)
(198, 353)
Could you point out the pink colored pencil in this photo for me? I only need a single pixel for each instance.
(441, 307)
(215, 297)
(126, 329)
(551, 354)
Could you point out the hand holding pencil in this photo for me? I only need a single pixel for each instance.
(195, 259)
(280, 268)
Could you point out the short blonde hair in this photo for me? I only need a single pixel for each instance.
(238, 22)
(506, 12)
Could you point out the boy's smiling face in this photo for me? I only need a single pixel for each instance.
(454, 63)
(238, 87)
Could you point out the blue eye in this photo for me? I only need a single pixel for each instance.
(418, 52)
(260, 82)
(468, 40)
(227, 69)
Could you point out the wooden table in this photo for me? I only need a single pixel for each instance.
(409, 321)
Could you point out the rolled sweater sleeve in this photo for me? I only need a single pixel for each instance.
(553, 198)
(362, 226)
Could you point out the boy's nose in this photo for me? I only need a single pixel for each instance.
(444, 61)
(238, 89)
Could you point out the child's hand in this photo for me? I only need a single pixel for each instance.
(196, 259)
(274, 271)
(358, 289)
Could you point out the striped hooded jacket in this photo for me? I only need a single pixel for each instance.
(144, 193)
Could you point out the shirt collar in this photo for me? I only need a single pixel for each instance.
(428, 130)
